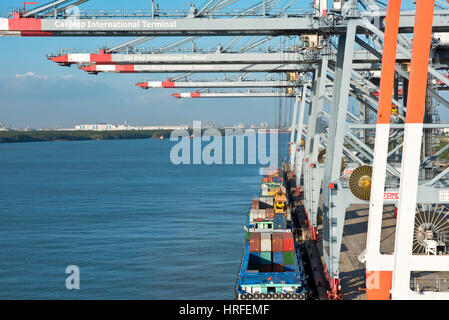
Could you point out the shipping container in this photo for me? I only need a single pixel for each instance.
(265, 257)
(278, 268)
(289, 257)
(265, 236)
(255, 204)
(265, 242)
(289, 268)
(254, 260)
(263, 203)
(254, 242)
(269, 213)
(277, 242)
(278, 258)
(266, 268)
(289, 243)
(280, 222)
(247, 235)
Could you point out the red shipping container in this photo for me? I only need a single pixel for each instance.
(278, 268)
(289, 243)
(254, 242)
(277, 242)
(266, 268)
(255, 204)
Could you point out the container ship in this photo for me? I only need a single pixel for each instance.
(271, 267)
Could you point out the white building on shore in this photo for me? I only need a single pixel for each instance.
(100, 127)
(122, 127)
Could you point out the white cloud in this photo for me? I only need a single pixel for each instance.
(32, 75)
(67, 77)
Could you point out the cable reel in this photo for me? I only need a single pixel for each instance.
(360, 182)
(322, 159)
(322, 156)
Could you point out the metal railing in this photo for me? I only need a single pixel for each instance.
(176, 50)
(437, 284)
(162, 13)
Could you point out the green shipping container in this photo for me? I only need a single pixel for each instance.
(247, 235)
(289, 258)
(265, 257)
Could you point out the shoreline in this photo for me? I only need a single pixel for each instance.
(64, 136)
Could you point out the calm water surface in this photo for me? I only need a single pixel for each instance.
(137, 226)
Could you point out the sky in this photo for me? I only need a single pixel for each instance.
(37, 93)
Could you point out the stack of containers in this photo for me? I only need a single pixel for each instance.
(280, 222)
(264, 190)
(289, 252)
(269, 213)
(254, 251)
(265, 252)
(252, 215)
(271, 252)
(277, 244)
(268, 201)
(255, 204)
(261, 215)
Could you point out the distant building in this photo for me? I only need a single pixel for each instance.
(4, 128)
(120, 127)
(164, 128)
(101, 127)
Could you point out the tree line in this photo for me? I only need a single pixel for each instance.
(42, 136)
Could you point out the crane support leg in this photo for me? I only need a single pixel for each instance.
(334, 204)
(299, 151)
(294, 126)
(411, 153)
(378, 281)
(312, 170)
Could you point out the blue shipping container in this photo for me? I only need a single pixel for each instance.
(278, 257)
(254, 260)
(289, 268)
(280, 222)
